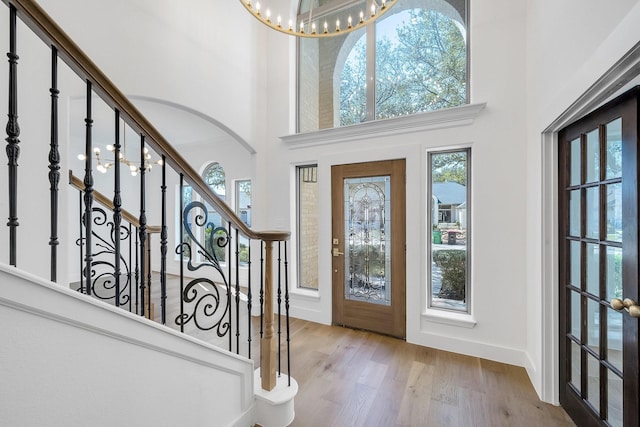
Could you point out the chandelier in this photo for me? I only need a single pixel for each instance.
(332, 19)
(103, 165)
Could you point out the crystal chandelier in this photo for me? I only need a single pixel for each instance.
(331, 19)
(103, 165)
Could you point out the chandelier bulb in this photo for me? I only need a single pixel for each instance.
(96, 150)
(279, 21)
(82, 157)
(361, 17)
(258, 8)
(373, 10)
(349, 23)
(110, 147)
(313, 28)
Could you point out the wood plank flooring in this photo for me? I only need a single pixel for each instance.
(354, 378)
(350, 378)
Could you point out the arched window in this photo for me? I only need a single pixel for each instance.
(215, 178)
(416, 54)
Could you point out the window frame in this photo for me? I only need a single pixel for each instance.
(299, 270)
(469, 236)
(370, 34)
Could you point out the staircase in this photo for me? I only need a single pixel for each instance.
(128, 344)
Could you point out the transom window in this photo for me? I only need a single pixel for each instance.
(416, 54)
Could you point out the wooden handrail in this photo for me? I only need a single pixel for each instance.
(78, 184)
(43, 25)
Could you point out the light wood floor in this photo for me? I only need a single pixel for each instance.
(355, 378)
(351, 378)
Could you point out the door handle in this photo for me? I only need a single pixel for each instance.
(336, 252)
(628, 304)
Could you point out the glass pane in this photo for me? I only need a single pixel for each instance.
(614, 212)
(243, 201)
(575, 162)
(614, 273)
(593, 382)
(593, 213)
(592, 259)
(353, 84)
(367, 213)
(574, 213)
(576, 368)
(421, 61)
(307, 227)
(575, 314)
(593, 325)
(614, 394)
(614, 149)
(449, 216)
(614, 338)
(575, 264)
(593, 156)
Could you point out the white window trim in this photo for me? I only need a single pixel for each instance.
(439, 315)
(463, 115)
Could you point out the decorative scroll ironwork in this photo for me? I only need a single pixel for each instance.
(204, 305)
(367, 260)
(103, 269)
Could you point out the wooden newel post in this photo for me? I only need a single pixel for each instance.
(268, 350)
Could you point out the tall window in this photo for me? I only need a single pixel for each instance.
(449, 173)
(243, 209)
(307, 203)
(416, 54)
(215, 178)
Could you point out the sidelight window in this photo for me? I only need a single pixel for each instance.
(449, 222)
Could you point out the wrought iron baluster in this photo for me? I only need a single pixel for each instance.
(81, 263)
(229, 304)
(143, 229)
(13, 132)
(88, 192)
(249, 297)
(286, 308)
(129, 277)
(54, 164)
(261, 289)
(181, 245)
(137, 273)
(117, 205)
(279, 309)
(163, 244)
(237, 290)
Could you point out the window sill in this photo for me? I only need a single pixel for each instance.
(439, 119)
(308, 294)
(449, 318)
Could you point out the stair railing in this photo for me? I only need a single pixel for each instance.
(221, 297)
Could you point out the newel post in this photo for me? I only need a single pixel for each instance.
(268, 350)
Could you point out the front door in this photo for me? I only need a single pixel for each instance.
(368, 246)
(598, 265)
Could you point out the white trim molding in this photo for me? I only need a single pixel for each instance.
(449, 117)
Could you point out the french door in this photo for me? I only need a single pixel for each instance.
(598, 265)
(368, 251)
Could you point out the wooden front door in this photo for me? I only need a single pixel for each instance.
(598, 265)
(368, 246)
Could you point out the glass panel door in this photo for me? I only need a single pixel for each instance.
(598, 244)
(368, 246)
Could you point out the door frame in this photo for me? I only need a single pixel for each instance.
(546, 318)
(396, 313)
(626, 107)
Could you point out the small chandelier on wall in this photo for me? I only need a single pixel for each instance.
(103, 164)
(333, 18)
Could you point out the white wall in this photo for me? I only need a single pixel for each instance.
(570, 46)
(73, 361)
(498, 182)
